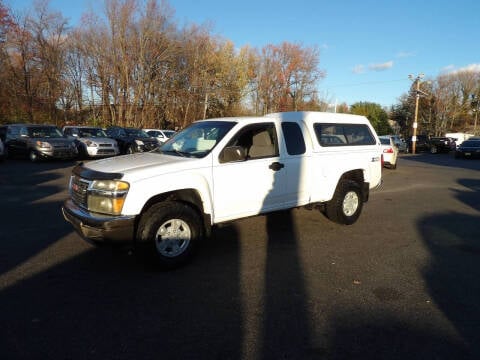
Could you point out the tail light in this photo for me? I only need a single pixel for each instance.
(388, 151)
(382, 161)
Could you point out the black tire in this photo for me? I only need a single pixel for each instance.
(82, 152)
(176, 219)
(393, 166)
(130, 149)
(346, 204)
(33, 156)
(433, 149)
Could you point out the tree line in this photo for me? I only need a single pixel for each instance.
(448, 103)
(134, 66)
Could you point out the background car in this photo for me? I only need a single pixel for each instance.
(92, 141)
(389, 151)
(161, 135)
(3, 133)
(2, 150)
(441, 144)
(468, 149)
(420, 145)
(39, 141)
(131, 140)
(400, 143)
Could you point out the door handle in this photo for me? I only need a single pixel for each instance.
(275, 166)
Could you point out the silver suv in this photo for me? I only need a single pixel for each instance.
(92, 141)
(38, 141)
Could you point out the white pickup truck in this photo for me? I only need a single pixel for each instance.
(165, 201)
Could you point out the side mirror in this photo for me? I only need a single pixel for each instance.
(233, 153)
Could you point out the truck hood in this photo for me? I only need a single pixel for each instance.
(137, 162)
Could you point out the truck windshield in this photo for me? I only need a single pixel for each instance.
(198, 139)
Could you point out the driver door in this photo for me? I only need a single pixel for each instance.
(254, 185)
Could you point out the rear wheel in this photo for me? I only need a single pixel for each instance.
(433, 149)
(346, 204)
(168, 234)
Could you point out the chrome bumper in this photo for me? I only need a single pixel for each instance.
(99, 228)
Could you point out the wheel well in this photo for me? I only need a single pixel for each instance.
(357, 176)
(186, 196)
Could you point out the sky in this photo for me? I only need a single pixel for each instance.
(367, 48)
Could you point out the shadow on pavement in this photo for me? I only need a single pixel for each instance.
(31, 198)
(452, 277)
(106, 305)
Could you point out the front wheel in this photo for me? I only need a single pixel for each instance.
(346, 204)
(33, 156)
(168, 234)
(433, 149)
(130, 149)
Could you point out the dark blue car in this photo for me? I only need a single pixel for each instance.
(468, 149)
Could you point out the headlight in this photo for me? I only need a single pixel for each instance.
(43, 145)
(139, 142)
(90, 143)
(107, 196)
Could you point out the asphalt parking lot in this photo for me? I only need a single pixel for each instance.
(401, 283)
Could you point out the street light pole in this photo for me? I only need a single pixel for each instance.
(417, 98)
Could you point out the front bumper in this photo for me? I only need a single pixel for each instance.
(57, 153)
(99, 228)
(102, 152)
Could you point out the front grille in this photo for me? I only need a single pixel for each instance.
(62, 153)
(60, 146)
(105, 152)
(150, 146)
(78, 190)
(106, 145)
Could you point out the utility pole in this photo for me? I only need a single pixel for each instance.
(417, 98)
(475, 109)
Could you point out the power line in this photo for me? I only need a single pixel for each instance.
(367, 83)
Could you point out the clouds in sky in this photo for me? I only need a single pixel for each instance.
(360, 69)
(452, 69)
(405, 54)
(381, 67)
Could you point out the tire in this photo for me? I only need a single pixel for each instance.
(393, 166)
(433, 149)
(33, 156)
(82, 152)
(346, 204)
(168, 234)
(130, 149)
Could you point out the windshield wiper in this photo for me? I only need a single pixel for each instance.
(182, 154)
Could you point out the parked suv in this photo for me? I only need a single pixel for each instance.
(132, 140)
(92, 141)
(161, 135)
(39, 141)
(165, 201)
(399, 143)
(441, 144)
(420, 145)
